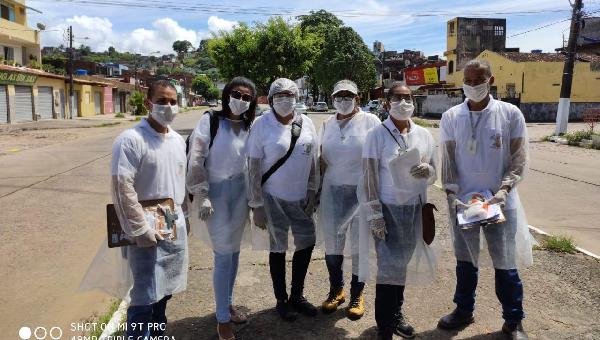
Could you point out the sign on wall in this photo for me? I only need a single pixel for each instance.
(15, 78)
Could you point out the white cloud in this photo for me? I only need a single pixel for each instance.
(99, 34)
(216, 24)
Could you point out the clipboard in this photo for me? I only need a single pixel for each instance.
(159, 213)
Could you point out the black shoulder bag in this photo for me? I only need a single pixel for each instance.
(296, 130)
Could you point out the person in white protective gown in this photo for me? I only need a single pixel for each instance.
(283, 190)
(216, 180)
(399, 162)
(484, 147)
(148, 163)
(342, 137)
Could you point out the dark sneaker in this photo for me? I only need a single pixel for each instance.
(302, 306)
(386, 333)
(455, 320)
(285, 311)
(402, 328)
(514, 331)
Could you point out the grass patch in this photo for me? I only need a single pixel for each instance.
(577, 136)
(559, 244)
(546, 138)
(109, 124)
(105, 318)
(120, 115)
(425, 123)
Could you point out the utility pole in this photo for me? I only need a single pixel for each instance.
(71, 93)
(564, 103)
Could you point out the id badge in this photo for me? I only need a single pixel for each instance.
(472, 146)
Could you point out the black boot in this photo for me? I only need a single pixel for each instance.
(285, 311)
(302, 306)
(455, 320)
(402, 327)
(514, 331)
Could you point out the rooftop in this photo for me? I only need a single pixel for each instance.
(546, 57)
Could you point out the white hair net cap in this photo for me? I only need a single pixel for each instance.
(283, 84)
(345, 85)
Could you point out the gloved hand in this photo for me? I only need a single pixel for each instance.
(148, 239)
(423, 170)
(455, 204)
(309, 208)
(205, 209)
(377, 227)
(259, 216)
(499, 198)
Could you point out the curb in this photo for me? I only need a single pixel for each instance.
(115, 321)
(581, 250)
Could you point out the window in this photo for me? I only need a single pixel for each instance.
(451, 67)
(8, 53)
(7, 12)
(451, 29)
(498, 30)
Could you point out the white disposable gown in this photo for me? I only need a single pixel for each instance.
(284, 194)
(219, 173)
(341, 154)
(484, 151)
(403, 257)
(146, 165)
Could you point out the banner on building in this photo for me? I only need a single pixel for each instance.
(414, 77)
(431, 75)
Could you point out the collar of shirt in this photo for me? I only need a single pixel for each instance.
(144, 125)
(272, 120)
(490, 106)
(390, 125)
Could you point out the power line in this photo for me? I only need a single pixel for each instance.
(551, 24)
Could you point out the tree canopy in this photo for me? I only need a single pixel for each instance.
(264, 52)
(205, 87)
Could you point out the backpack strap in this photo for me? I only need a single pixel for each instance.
(214, 126)
(296, 130)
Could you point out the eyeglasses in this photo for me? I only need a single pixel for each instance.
(243, 96)
(342, 99)
(284, 95)
(399, 97)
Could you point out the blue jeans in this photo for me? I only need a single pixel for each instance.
(336, 274)
(509, 290)
(226, 266)
(147, 321)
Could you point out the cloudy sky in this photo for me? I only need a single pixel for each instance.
(150, 26)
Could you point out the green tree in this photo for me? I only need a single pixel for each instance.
(264, 52)
(317, 24)
(344, 56)
(182, 47)
(205, 87)
(137, 102)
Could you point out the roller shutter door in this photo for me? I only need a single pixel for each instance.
(45, 102)
(3, 105)
(23, 104)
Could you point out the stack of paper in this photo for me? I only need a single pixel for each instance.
(494, 212)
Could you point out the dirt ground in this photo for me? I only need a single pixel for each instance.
(562, 299)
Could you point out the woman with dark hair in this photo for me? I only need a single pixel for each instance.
(216, 181)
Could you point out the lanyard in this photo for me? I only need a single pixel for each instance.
(401, 137)
(474, 127)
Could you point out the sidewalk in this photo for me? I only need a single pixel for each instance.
(562, 299)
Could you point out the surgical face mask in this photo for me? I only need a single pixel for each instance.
(284, 106)
(164, 114)
(345, 107)
(401, 110)
(477, 93)
(238, 106)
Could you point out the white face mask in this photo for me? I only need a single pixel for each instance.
(238, 106)
(164, 114)
(477, 93)
(401, 110)
(284, 106)
(344, 107)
